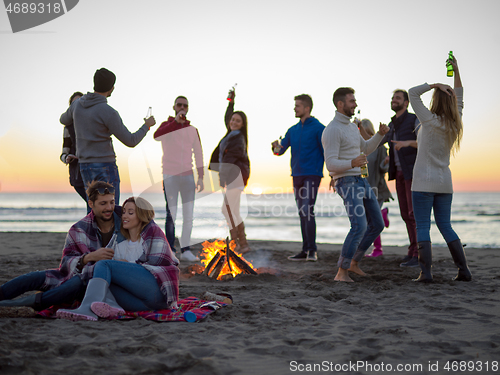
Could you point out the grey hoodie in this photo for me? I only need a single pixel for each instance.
(95, 121)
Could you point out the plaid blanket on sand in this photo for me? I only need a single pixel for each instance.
(192, 304)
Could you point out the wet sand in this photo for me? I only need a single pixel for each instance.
(292, 319)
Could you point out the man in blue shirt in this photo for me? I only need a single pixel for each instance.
(307, 161)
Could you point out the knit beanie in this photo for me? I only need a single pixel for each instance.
(104, 80)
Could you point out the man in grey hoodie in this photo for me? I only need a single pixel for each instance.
(95, 122)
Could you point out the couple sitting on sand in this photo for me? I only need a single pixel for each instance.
(118, 267)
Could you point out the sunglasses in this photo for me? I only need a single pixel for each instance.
(105, 190)
(182, 105)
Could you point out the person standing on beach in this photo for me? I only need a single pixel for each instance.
(68, 156)
(343, 145)
(180, 142)
(378, 164)
(86, 244)
(230, 159)
(401, 162)
(304, 139)
(95, 122)
(432, 187)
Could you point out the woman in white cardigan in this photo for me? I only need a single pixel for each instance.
(439, 136)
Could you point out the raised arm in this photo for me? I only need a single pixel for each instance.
(229, 114)
(457, 81)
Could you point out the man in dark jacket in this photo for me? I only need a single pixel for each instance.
(402, 138)
(307, 161)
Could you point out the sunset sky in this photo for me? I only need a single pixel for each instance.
(274, 50)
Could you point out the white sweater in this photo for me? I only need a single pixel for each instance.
(342, 143)
(432, 167)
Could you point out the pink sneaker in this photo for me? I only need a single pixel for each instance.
(375, 253)
(385, 216)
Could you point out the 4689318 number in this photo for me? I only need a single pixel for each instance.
(25, 8)
(471, 366)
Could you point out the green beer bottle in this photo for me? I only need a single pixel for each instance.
(364, 169)
(449, 67)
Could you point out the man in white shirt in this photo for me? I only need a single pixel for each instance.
(344, 145)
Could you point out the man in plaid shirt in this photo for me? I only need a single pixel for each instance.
(86, 243)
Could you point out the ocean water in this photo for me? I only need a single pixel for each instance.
(475, 217)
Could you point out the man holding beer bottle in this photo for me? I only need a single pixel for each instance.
(344, 147)
(304, 139)
(180, 142)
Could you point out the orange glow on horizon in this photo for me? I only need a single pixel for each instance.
(37, 170)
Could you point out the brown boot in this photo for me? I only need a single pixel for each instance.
(242, 238)
(234, 236)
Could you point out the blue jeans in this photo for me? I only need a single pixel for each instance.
(305, 189)
(423, 202)
(67, 292)
(107, 172)
(172, 187)
(364, 214)
(133, 286)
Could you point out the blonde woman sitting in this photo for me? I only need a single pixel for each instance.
(142, 276)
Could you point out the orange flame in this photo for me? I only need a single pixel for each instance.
(210, 249)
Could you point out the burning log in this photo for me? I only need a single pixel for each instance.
(227, 256)
(222, 263)
(241, 264)
(218, 268)
(214, 260)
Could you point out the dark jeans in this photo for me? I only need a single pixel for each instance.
(403, 188)
(305, 189)
(64, 293)
(364, 214)
(107, 172)
(133, 286)
(441, 205)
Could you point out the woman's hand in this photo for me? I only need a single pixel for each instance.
(446, 88)
(453, 62)
(457, 79)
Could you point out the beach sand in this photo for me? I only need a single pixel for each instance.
(293, 318)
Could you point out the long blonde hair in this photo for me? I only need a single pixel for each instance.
(367, 124)
(144, 211)
(445, 106)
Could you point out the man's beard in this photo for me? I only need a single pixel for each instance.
(101, 217)
(397, 108)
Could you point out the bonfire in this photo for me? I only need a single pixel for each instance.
(221, 262)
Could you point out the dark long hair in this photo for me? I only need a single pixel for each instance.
(244, 128)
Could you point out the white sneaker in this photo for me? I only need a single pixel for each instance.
(189, 256)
